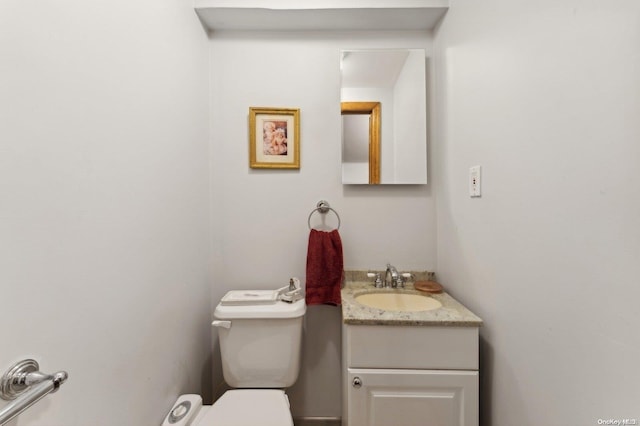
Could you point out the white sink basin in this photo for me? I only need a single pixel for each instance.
(402, 302)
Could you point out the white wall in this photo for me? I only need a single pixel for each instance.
(546, 97)
(260, 216)
(103, 205)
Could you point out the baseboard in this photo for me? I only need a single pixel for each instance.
(317, 421)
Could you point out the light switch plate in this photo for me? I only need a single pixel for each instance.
(474, 181)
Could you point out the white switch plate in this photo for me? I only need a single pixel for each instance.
(474, 181)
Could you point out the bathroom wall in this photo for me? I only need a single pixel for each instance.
(104, 205)
(259, 217)
(545, 96)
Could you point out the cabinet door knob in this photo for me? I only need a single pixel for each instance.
(357, 382)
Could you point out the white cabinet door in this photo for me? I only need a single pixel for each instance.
(390, 397)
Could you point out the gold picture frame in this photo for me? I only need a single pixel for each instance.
(274, 138)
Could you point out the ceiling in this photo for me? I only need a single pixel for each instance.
(300, 16)
(371, 68)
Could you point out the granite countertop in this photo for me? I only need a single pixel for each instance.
(452, 313)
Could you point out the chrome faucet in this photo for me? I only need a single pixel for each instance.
(391, 277)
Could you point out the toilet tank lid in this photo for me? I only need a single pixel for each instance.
(250, 297)
(278, 309)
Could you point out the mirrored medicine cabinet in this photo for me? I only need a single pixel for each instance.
(384, 116)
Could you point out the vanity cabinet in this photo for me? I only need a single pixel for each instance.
(410, 375)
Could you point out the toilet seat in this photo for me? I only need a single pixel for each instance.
(249, 407)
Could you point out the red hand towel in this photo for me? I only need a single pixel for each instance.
(325, 268)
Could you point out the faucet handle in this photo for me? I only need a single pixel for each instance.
(404, 277)
(377, 283)
(400, 281)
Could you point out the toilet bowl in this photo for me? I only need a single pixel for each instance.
(246, 407)
(260, 344)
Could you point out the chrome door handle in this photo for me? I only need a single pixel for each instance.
(357, 383)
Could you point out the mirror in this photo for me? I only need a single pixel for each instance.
(361, 140)
(390, 146)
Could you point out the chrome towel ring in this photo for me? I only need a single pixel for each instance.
(323, 207)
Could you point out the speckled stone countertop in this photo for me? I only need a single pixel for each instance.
(452, 313)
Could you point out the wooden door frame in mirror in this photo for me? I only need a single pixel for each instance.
(373, 110)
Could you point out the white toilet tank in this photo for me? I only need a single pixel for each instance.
(262, 344)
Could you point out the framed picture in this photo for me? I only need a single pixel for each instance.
(274, 138)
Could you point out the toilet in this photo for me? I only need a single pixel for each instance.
(260, 344)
